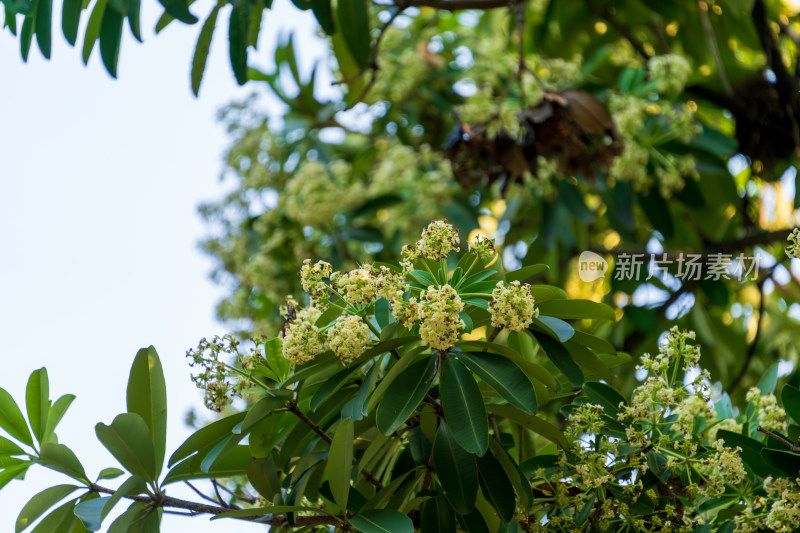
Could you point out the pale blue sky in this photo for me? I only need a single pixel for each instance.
(98, 224)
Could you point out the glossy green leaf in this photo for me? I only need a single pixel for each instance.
(496, 487)
(263, 476)
(456, 470)
(61, 459)
(129, 441)
(525, 273)
(463, 407)
(560, 357)
(26, 34)
(110, 39)
(93, 28)
(340, 462)
(573, 309)
(258, 412)
(324, 15)
(404, 395)
(70, 19)
(382, 521)
(233, 464)
(504, 376)
(44, 26)
(521, 484)
(135, 511)
(202, 47)
(134, 8)
(790, 397)
(147, 397)
(56, 521)
(237, 41)
(11, 419)
(207, 437)
(532, 370)
(40, 503)
(8, 447)
(353, 20)
(555, 327)
(605, 396)
(179, 9)
(437, 515)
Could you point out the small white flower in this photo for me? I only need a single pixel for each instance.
(512, 306)
(348, 337)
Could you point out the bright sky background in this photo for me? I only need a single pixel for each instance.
(99, 231)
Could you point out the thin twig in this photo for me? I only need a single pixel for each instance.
(792, 447)
(207, 498)
(711, 39)
(751, 350)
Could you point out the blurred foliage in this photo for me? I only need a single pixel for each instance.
(630, 128)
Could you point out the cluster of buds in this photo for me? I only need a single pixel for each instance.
(438, 240)
(512, 306)
(793, 250)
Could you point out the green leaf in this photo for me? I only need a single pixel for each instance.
(263, 476)
(8, 447)
(37, 401)
(525, 273)
(11, 419)
(555, 327)
(61, 459)
(560, 357)
(134, 7)
(57, 412)
(340, 462)
(353, 20)
(134, 512)
(463, 407)
(55, 521)
(534, 423)
(438, 516)
(233, 464)
(382, 521)
(258, 412)
(504, 376)
(44, 26)
(109, 473)
(110, 39)
(26, 34)
(129, 441)
(790, 396)
(90, 512)
(456, 470)
(573, 309)
(331, 385)
(40, 503)
(404, 395)
(532, 370)
(783, 460)
(237, 41)
(496, 487)
(132, 486)
(207, 437)
(268, 510)
(93, 29)
(147, 397)
(521, 484)
(324, 14)
(179, 9)
(202, 48)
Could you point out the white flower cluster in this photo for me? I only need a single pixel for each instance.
(769, 414)
(348, 337)
(793, 250)
(438, 240)
(670, 72)
(301, 339)
(512, 306)
(483, 246)
(437, 312)
(311, 278)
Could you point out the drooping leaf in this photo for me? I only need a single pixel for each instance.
(179, 9)
(382, 521)
(532, 422)
(90, 512)
(147, 397)
(202, 47)
(456, 470)
(70, 19)
(206, 437)
(110, 39)
(56, 521)
(573, 309)
(504, 376)
(560, 357)
(496, 487)
(340, 462)
(353, 20)
(237, 41)
(463, 407)
(44, 26)
(93, 29)
(233, 464)
(437, 515)
(404, 395)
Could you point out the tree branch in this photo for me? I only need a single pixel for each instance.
(327, 438)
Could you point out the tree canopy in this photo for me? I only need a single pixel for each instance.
(604, 187)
